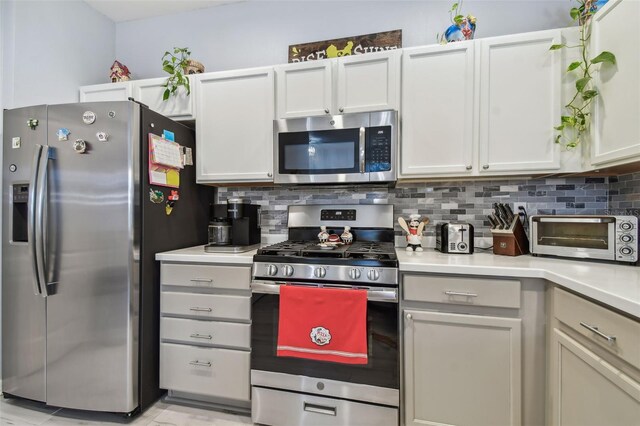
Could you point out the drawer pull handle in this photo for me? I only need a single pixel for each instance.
(197, 309)
(320, 409)
(201, 363)
(202, 280)
(202, 336)
(460, 293)
(593, 328)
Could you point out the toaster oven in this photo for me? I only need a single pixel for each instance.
(604, 237)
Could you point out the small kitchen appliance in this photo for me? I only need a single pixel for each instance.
(346, 148)
(454, 237)
(234, 227)
(601, 237)
(301, 391)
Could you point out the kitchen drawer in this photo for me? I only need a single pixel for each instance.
(206, 305)
(209, 276)
(205, 371)
(267, 406)
(462, 291)
(575, 311)
(206, 332)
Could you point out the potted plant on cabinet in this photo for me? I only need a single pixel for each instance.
(178, 64)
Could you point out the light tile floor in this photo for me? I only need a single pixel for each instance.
(27, 413)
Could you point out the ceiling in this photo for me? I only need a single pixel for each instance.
(129, 10)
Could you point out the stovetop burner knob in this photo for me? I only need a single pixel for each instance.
(354, 274)
(272, 270)
(287, 270)
(320, 272)
(373, 275)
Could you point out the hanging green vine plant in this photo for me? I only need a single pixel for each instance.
(574, 126)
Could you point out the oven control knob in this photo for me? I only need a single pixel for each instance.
(320, 272)
(626, 226)
(373, 275)
(626, 238)
(272, 270)
(627, 251)
(354, 274)
(287, 270)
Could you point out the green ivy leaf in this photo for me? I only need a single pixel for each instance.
(168, 68)
(568, 120)
(575, 13)
(559, 128)
(166, 94)
(454, 7)
(573, 66)
(558, 138)
(582, 83)
(458, 19)
(588, 94)
(556, 46)
(606, 57)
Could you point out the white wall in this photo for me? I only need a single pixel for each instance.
(258, 33)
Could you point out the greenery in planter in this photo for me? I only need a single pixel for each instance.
(174, 64)
(574, 125)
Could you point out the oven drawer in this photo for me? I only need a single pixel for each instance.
(206, 305)
(462, 290)
(580, 314)
(205, 371)
(210, 276)
(274, 407)
(206, 332)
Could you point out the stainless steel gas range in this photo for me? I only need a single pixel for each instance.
(310, 392)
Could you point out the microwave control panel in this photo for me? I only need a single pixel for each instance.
(378, 149)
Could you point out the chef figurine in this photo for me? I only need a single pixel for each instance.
(414, 231)
(323, 236)
(347, 237)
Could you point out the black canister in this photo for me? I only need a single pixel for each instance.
(235, 207)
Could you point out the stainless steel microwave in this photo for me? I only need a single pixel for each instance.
(337, 149)
(589, 237)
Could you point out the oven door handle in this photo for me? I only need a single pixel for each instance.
(373, 294)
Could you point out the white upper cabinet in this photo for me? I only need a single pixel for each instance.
(615, 125)
(235, 126)
(178, 107)
(106, 92)
(304, 89)
(520, 103)
(438, 110)
(358, 83)
(369, 82)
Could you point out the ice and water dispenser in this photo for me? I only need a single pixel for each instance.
(19, 213)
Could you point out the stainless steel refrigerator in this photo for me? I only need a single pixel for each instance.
(80, 285)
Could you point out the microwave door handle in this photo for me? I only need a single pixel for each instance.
(31, 219)
(40, 217)
(362, 145)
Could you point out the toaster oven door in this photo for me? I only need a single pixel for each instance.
(581, 237)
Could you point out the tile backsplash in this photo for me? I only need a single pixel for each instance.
(624, 194)
(468, 201)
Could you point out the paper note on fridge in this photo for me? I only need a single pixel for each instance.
(166, 153)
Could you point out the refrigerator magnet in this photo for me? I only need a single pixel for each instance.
(80, 146)
(155, 196)
(63, 134)
(168, 208)
(89, 117)
(32, 123)
(174, 195)
(102, 136)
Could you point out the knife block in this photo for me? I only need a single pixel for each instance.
(512, 241)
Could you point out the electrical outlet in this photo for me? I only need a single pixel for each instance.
(516, 207)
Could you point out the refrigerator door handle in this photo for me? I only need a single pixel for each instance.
(41, 194)
(31, 219)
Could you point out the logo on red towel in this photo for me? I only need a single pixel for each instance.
(320, 336)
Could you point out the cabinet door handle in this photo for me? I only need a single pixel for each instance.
(202, 336)
(593, 328)
(269, 174)
(485, 167)
(201, 280)
(320, 409)
(469, 167)
(201, 363)
(460, 293)
(326, 111)
(197, 309)
(409, 316)
(341, 109)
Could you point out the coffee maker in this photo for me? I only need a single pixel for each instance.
(234, 227)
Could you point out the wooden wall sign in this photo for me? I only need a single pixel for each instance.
(356, 45)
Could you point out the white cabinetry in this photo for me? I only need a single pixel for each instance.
(106, 92)
(178, 107)
(519, 103)
(351, 84)
(235, 126)
(615, 127)
(438, 85)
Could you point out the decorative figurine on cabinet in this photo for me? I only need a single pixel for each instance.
(323, 236)
(347, 236)
(414, 231)
(119, 72)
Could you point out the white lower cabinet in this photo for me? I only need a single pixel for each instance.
(461, 369)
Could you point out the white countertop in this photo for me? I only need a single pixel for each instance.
(615, 285)
(612, 284)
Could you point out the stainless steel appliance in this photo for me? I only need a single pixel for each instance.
(234, 227)
(587, 237)
(337, 149)
(454, 237)
(301, 391)
(80, 285)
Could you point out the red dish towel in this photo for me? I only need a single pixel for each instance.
(323, 324)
